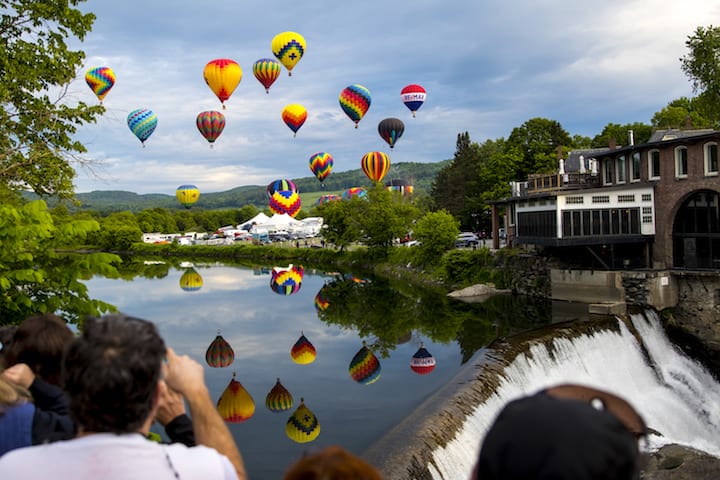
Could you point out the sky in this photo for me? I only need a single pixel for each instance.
(488, 66)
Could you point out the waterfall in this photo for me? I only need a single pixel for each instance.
(676, 396)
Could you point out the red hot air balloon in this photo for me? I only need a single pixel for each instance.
(413, 96)
(279, 399)
(365, 366)
(235, 405)
(422, 362)
(375, 165)
(219, 353)
(390, 130)
(210, 124)
(303, 352)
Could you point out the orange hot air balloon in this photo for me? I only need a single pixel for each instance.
(235, 404)
(279, 399)
(303, 426)
(375, 165)
(294, 116)
(303, 352)
(223, 76)
(219, 354)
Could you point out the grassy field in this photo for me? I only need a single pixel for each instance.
(309, 200)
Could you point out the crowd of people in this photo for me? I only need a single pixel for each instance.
(82, 406)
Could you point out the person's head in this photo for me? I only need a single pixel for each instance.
(6, 334)
(332, 463)
(562, 435)
(111, 373)
(39, 342)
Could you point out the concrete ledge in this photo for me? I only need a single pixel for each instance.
(607, 308)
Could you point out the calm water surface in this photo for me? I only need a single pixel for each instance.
(262, 326)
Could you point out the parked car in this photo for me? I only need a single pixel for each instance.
(467, 239)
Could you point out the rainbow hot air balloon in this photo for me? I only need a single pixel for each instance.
(142, 123)
(219, 354)
(266, 70)
(286, 281)
(285, 201)
(235, 405)
(352, 192)
(399, 185)
(294, 116)
(321, 302)
(280, 184)
(288, 47)
(187, 195)
(390, 130)
(100, 80)
(191, 281)
(279, 399)
(365, 366)
(223, 76)
(413, 96)
(303, 352)
(355, 101)
(331, 197)
(303, 426)
(422, 362)
(321, 164)
(375, 165)
(211, 124)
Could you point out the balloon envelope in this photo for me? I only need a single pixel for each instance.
(422, 362)
(303, 352)
(285, 201)
(142, 122)
(413, 96)
(235, 405)
(355, 101)
(278, 399)
(351, 192)
(331, 197)
(375, 165)
(187, 195)
(321, 164)
(288, 47)
(223, 76)
(280, 184)
(191, 281)
(286, 281)
(294, 116)
(100, 80)
(399, 185)
(390, 130)
(219, 354)
(211, 124)
(365, 367)
(266, 70)
(302, 426)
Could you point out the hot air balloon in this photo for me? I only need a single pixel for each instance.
(285, 201)
(399, 185)
(390, 130)
(280, 184)
(142, 123)
(375, 165)
(223, 76)
(266, 70)
(219, 354)
(303, 425)
(321, 164)
(191, 281)
(286, 281)
(413, 97)
(288, 47)
(100, 80)
(351, 192)
(422, 362)
(331, 197)
(303, 352)
(294, 116)
(235, 405)
(365, 367)
(279, 399)
(321, 303)
(355, 101)
(187, 195)
(210, 124)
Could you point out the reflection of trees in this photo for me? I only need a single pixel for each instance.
(132, 267)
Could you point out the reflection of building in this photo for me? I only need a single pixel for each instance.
(653, 205)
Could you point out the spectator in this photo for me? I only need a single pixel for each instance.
(332, 463)
(172, 416)
(6, 334)
(112, 374)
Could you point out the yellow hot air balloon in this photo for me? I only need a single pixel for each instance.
(303, 425)
(303, 352)
(288, 47)
(235, 404)
(279, 398)
(191, 281)
(222, 76)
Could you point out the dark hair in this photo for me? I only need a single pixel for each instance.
(40, 341)
(111, 373)
(6, 334)
(332, 463)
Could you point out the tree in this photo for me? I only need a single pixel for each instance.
(384, 217)
(702, 66)
(621, 134)
(538, 140)
(436, 232)
(340, 222)
(37, 150)
(676, 114)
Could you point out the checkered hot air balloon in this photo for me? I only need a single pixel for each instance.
(219, 354)
(286, 281)
(100, 80)
(191, 281)
(235, 405)
(279, 399)
(422, 362)
(302, 426)
(303, 352)
(365, 366)
(375, 165)
(355, 101)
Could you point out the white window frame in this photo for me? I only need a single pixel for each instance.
(620, 169)
(707, 149)
(635, 166)
(679, 173)
(651, 173)
(607, 171)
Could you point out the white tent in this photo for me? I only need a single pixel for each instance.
(277, 222)
(258, 219)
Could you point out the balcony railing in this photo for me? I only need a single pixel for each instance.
(538, 183)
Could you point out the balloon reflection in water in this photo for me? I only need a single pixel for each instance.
(422, 362)
(365, 366)
(303, 425)
(286, 281)
(279, 398)
(235, 404)
(219, 353)
(191, 281)
(303, 352)
(321, 303)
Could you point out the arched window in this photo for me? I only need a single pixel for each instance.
(654, 164)
(681, 162)
(710, 151)
(696, 232)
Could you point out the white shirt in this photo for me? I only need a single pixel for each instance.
(113, 457)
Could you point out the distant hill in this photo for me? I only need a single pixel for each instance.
(421, 175)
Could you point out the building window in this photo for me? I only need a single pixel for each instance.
(574, 200)
(621, 169)
(681, 162)
(635, 167)
(654, 164)
(625, 198)
(646, 197)
(711, 158)
(608, 172)
(601, 199)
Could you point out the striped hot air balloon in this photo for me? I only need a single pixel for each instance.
(302, 426)
(422, 362)
(219, 354)
(279, 399)
(365, 366)
(100, 80)
(375, 165)
(211, 124)
(280, 184)
(235, 405)
(266, 70)
(303, 352)
(355, 101)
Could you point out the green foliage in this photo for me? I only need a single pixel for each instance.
(341, 224)
(384, 217)
(538, 141)
(678, 111)
(467, 267)
(702, 66)
(621, 134)
(436, 232)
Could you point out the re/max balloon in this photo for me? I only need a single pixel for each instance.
(321, 164)
(390, 130)
(355, 101)
(413, 96)
(142, 122)
(288, 47)
(210, 124)
(266, 70)
(100, 80)
(294, 116)
(375, 165)
(223, 76)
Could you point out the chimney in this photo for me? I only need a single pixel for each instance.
(612, 144)
(632, 137)
(559, 152)
(688, 125)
